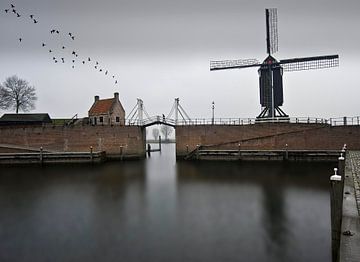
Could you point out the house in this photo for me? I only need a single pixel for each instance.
(107, 111)
(25, 119)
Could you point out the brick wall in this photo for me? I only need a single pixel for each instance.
(77, 138)
(267, 136)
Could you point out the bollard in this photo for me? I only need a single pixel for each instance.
(91, 153)
(160, 143)
(336, 198)
(41, 155)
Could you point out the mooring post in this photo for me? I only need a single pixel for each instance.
(239, 151)
(336, 198)
(197, 151)
(341, 172)
(91, 153)
(160, 143)
(286, 152)
(343, 150)
(121, 153)
(41, 155)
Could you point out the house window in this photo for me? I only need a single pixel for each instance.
(101, 119)
(117, 119)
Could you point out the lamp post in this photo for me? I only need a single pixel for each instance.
(212, 107)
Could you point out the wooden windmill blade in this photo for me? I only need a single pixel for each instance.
(308, 63)
(233, 64)
(271, 30)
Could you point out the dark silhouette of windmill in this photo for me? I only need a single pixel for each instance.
(271, 70)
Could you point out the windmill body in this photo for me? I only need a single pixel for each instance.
(271, 70)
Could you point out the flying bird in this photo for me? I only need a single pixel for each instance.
(113, 76)
(6, 10)
(73, 61)
(106, 72)
(50, 51)
(73, 53)
(73, 37)
(89, 59)
(63, 60)
(20, 39)
(97, 63)
(115, 82)
(100, 70)
(14, 11)
(95, 67)
(73, 66)
(70, 34)
(63, 47)
(12, 6)
(55, 61)
(83, 62)
(35, 21)
(57, 31)
(18, 15)
(54, 58)
(31, 16)
(43, 44)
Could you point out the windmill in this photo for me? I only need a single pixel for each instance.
(271, 70)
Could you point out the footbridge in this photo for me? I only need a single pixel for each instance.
(139, 116)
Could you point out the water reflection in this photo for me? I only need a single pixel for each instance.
(160, 210)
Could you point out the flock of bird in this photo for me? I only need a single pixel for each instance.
(71, 36)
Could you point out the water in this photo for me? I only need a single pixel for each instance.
(160, 210)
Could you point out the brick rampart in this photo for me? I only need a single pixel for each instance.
(76, 138)
(267, 136)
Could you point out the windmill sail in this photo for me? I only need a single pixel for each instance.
(307, 63)
(233, 64)
(271, 31)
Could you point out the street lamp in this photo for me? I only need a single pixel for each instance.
(212, 107)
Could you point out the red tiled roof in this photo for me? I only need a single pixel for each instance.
(102, 106)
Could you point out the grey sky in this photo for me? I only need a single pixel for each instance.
(161, 50)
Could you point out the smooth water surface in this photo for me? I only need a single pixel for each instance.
(162, 210)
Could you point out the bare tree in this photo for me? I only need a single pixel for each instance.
(166, 131)
(17, 94)
(155, 133)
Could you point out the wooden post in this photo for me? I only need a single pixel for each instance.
(239, 151)
(91, 153)
(286, 152)
(121, 153)
(336, 199)
(160, 143)
(197, 151)
(41, 155)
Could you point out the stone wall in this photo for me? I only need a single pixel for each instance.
(267, 136)
(75, 139)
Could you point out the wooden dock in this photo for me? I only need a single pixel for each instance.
(54, 157)
(264, 155)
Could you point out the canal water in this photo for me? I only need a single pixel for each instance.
(162, 210)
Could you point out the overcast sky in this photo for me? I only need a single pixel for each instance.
(160, 50)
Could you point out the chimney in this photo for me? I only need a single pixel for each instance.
(97, 98)
(116, 95)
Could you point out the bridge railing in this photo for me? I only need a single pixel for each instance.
(340, 121)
